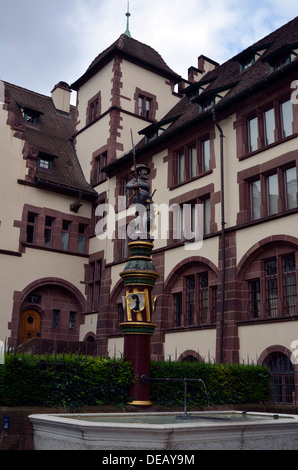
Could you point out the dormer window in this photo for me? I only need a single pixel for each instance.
(31, 116)
(282, 57)
(209, 98)
(280, 62)
(247, 62)
(207, 105)
(250, 56)
(45, 162)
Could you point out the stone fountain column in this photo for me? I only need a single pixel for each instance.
(139, 278)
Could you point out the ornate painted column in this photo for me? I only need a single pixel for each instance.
(139, 278)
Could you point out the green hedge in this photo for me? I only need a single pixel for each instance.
(68, 381)
(75, 382)
(223, 384)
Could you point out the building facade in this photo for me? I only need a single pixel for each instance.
(221, 147)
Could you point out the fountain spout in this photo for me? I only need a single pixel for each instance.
(145, 379)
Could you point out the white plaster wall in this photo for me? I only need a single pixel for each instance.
(250, 236)
(201, 341)
(89, 326)
(255, 338)
(115, 347)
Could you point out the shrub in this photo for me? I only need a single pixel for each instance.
(221, 384)
(75, 382)
(67, 381)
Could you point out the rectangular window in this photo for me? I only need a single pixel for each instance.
(287, 118)
(190, 299)
(207, 215)
(72, 319)
(55, 318)
(94, 285)
(206, 155)
(255, 191)
(192, 162)
(93, 110)
(255, 298)
(65, 234)
(140, 106)
(30, 116)
(248, 62)
(45, 164)
(81, 238)
(147, 108)
(181, 167)
(271, 288)
(120, 313)
(272, 187)
(269, 124)
(178, 308)
(214, 304)
(253, 134)
(48, 231)
(144, 106)
(100, 163)
(203, 280)
(289, 282)
(291, 188)
(279, 63)
(30, 230)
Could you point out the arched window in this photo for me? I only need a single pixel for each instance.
(194, 296)
(282, 378)
(270, 284)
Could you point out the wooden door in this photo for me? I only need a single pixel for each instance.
(30, 325)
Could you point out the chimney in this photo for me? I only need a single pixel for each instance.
(206, 65)
(61, 97)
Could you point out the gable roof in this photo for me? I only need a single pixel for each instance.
(132, 50)
(52, 137)
(236, 82)
(228, 77)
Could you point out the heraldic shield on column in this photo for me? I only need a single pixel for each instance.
(139, 277)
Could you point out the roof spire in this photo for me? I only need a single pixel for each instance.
(127, 32)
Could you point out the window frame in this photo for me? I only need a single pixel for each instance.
(93, 111)
(276, 298)
(278, 134)
(65, 234)
(32, 225)
(195, 304)
(145, 105)
(265, 175)
(193, 156)
(48, 230)
(95, 270)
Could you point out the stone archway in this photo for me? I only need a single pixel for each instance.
(59, 308)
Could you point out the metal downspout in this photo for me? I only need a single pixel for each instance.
(223, 223)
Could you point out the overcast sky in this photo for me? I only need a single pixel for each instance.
(43, 42)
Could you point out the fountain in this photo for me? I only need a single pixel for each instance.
(165, 431)
(156, 431)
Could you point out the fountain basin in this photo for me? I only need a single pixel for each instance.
(165, 431)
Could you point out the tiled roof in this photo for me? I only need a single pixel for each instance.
(133, 50)
(230, 77)
(52, 136)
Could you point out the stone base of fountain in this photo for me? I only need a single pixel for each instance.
(165, 431)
